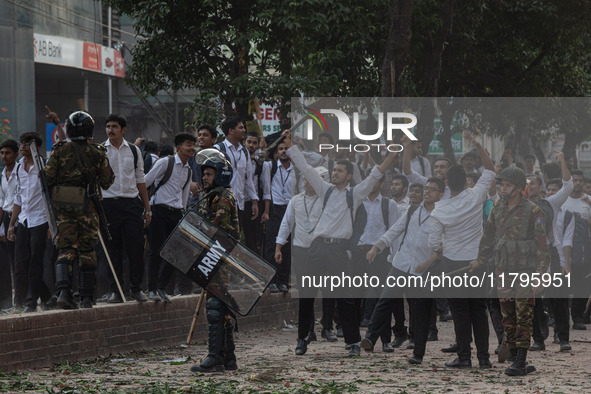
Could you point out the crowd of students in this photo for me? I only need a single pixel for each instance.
(406, 214)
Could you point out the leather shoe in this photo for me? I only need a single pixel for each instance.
(387, 348)
(301, 347)
(415, 359)
(367, 344)
(153, 296)
(273, 288)
(399, 341)
(328, 335)
(164, 296)
(282, 288)
(579, 326)
(484, 364)
(537, 346)
(30, 309)
(432, 336)
(139, 296)
(86, 302)
(565, 346)
(115, 298)
(451, 349)
(457, 363)
(355, 350)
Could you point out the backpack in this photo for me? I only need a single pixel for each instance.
(349, 200)
(169, 167)
(222, 148)
(361, 221)
(548, 211)
(581, 249)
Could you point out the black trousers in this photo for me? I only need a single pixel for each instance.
(253, 229)
(391, 302)
(271, 231)
(126, 224)
(7, 267)
(469, 316)
(494, 310)
(333, 256)
(164, 221)
(29, 256)
(422, 311)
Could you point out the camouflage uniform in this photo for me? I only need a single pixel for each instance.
(78, 234)
(521, 248)
(219, 207)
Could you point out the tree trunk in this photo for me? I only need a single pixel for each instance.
(397, 47)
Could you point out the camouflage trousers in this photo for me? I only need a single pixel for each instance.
(77, 234)
(517, 314)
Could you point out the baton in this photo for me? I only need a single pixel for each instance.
(196, 315)
(458, 271)
(111, 265)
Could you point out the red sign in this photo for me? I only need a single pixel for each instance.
(91, 57)
(119, 64)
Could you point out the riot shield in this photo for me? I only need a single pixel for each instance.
(39, 166)
(217, 262)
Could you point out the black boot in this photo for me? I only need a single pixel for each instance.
(230, 363)
(512, 355)
(87, 286)
(518, 366)
(62, 282)
(214, 362)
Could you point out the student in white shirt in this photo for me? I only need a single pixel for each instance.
(278, 179)
(8, 154)
(168, 204)
(456, 227)
(31, 233)
(242, 180)
(412, 258)
(127, 210)
(335, 227)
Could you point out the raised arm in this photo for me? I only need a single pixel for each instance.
(484, 156)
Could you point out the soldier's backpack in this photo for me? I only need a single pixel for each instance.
(169, 167)
(581, 249)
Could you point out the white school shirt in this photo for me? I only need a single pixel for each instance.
(241, 183)
(300, 219)
(172, 193)
(336, 221)
(29, 196)
(282, 186)
(127, 176)
(8, 190)
(375, 226)
(415, 246)
(457, 221)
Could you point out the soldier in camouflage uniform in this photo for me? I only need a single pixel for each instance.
(70, 167)
(515, 239)
(218, 206)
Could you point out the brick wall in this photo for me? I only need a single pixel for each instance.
(43, 338)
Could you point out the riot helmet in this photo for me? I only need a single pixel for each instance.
(215, 159)
(79, 126)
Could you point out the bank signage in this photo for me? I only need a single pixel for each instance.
(85, 55)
